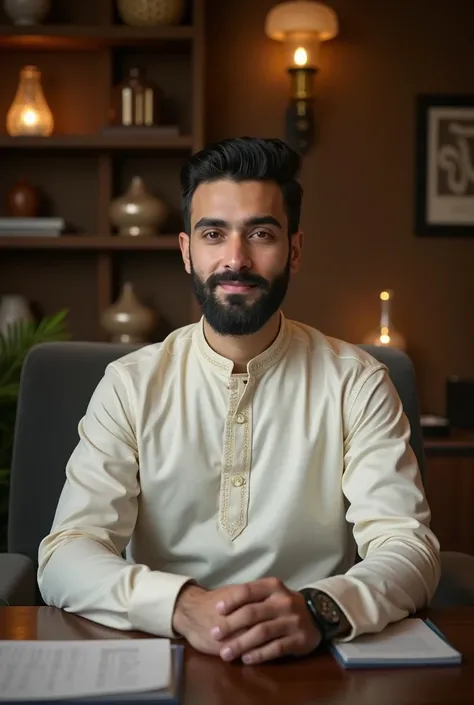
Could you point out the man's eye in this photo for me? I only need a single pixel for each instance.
(212, 235)
(261, 235)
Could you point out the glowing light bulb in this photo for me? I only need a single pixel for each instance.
(300, 56)
(30, 117)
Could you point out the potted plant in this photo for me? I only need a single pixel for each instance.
(15, 344)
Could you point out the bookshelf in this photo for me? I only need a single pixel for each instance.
(83, 50)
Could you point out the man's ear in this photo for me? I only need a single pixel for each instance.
(184, 242)
(296, 247)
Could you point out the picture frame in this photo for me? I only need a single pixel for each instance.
(444, 163)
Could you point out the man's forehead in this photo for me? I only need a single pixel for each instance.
(229, 197)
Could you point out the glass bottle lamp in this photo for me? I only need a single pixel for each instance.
(29, 114)
(386, 335)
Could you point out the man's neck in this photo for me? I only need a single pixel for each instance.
(243, 348)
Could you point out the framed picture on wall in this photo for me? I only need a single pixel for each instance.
(444, 199)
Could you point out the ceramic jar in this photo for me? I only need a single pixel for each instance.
(13, 308)
(22, 200)
(149, 13)
(127, 320)
(27, 12)
(137, 212)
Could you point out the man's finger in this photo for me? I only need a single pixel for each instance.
(255, 637)
(243, 618)
(246, 593)
(285, 646)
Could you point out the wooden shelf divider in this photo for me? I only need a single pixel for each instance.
(104, 260)
(152, 140)
(74, 37)
(97, 243)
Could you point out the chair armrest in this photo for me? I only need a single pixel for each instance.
(456, 586)
(17, 580)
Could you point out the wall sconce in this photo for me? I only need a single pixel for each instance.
(29, 114)
(302, 26)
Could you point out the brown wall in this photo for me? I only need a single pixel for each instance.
(359, 179)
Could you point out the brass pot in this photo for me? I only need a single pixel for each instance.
(127, 320)
(137, 212)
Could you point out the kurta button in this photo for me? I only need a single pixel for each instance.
(238, 481)
(240, 418)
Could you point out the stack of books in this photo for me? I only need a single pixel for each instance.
(31, 227)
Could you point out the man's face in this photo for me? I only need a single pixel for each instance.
(239, 253)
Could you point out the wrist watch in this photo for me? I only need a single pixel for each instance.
(325, 612)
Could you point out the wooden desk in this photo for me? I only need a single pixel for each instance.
(449, 484)
(311, 681)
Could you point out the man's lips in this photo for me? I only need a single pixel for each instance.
(236, 287)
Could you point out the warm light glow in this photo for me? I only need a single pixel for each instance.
(29, 114)
(314, 18)
(300, 56)
(385, 334)
(29, 117)
(302, 26)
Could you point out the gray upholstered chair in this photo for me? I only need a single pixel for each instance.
(56, 385)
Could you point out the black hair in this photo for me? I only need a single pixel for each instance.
(245, 159)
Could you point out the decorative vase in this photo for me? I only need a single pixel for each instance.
(386, 335)
(137, 212)
(13, 308)
(29, 114)
(27, 12)
(127, 320)
(149, 13)
(23, 200)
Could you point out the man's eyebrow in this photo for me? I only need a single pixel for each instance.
(210, 223)
(206, 222)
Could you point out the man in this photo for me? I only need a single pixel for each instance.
(244, 458)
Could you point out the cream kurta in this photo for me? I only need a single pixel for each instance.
(226, 478)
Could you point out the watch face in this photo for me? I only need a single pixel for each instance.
(327, 608)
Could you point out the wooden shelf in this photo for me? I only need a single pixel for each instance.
(101, 141)
(73, 37)
(83, 53)
(89, 242)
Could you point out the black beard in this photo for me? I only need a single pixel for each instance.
(235, 317)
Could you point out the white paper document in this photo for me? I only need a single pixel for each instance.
(58, 669)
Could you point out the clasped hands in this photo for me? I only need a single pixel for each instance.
(257, 621)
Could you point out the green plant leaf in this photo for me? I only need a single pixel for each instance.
(9, 391)
(21, 336)
(52, 324)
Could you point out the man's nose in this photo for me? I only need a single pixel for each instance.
(237, 255)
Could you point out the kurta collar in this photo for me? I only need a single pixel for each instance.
(258, 365)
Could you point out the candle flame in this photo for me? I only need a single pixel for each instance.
(300, 56)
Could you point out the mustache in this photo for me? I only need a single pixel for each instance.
(245, 278)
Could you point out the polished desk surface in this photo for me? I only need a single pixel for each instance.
(310, 681)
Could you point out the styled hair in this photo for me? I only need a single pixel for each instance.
(245, 159)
